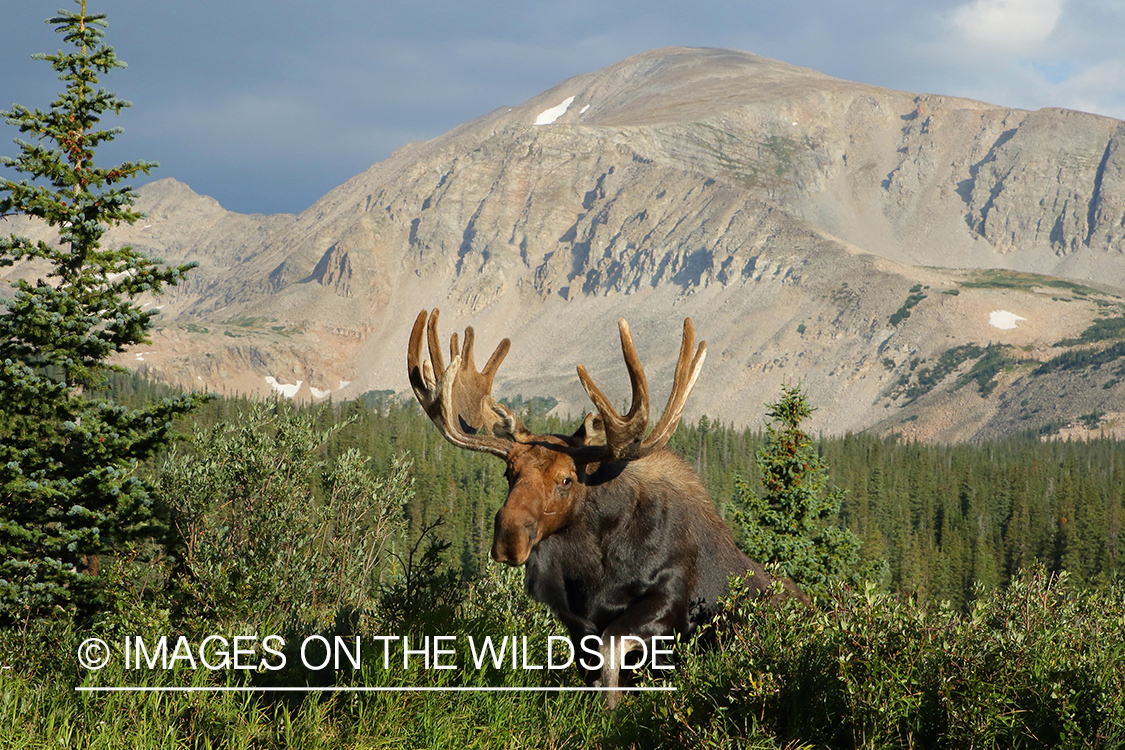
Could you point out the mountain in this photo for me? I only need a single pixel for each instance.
(927, 265)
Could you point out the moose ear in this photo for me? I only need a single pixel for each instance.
(589, 434)
(592, 431)
(507, 426)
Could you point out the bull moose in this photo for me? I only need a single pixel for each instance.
(618, 536)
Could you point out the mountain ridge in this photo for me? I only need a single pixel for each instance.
(791, 214)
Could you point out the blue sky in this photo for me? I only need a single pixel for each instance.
(268, 104)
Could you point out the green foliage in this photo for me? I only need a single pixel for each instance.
(1039, 662)
(943, 517)
(985, 370)
(927, 378)
(69, 486)
(268, 530)
(1092, 420)
(535, 407)
(425, 590)
(1101, 329)
(793, 522)
(1083, 359)
(991, 360)
(1037, 665)
(1005, 279)
(916, 295)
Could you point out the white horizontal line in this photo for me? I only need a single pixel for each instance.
(337, 689)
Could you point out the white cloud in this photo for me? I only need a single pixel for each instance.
(1013, 25)
(1097, 87)
(1094, 82)
(1023, 53)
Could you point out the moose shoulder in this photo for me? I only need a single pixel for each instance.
(618, 535)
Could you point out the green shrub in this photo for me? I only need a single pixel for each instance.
(1037, 665)
(1102, 329)
(986, 370)
(916, 295)
(267, 529)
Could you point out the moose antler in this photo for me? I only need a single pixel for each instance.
(458, 398)
(625, 435)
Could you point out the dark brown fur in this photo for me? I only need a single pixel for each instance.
(631, 548)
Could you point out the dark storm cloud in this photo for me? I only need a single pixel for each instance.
(268, 105)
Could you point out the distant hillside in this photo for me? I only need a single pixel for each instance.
(815, 229)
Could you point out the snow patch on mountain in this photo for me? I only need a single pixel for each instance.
(287, 390)
(1003, 319)
(548, 116)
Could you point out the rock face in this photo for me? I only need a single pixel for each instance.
(793, 216)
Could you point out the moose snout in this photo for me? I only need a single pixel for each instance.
(513, 537)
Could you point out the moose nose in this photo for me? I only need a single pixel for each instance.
(502, 555)
(513, 538)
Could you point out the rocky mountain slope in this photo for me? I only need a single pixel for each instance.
(815, 229)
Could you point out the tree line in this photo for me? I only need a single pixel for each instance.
(945, 519)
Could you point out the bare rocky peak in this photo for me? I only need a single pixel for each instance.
(169, 198)
(921, 179)
(793, 215)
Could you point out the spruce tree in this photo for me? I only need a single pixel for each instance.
(69, 484)
(794, 520)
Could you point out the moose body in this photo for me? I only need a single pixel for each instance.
(618, 535)
(646, 555)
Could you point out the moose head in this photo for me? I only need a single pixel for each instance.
(548, 476)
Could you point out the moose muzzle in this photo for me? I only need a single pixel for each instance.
(515, 533)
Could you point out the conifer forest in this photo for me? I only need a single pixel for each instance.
(946, 519)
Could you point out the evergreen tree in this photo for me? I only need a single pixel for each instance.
(69, 489)
(793, 522)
